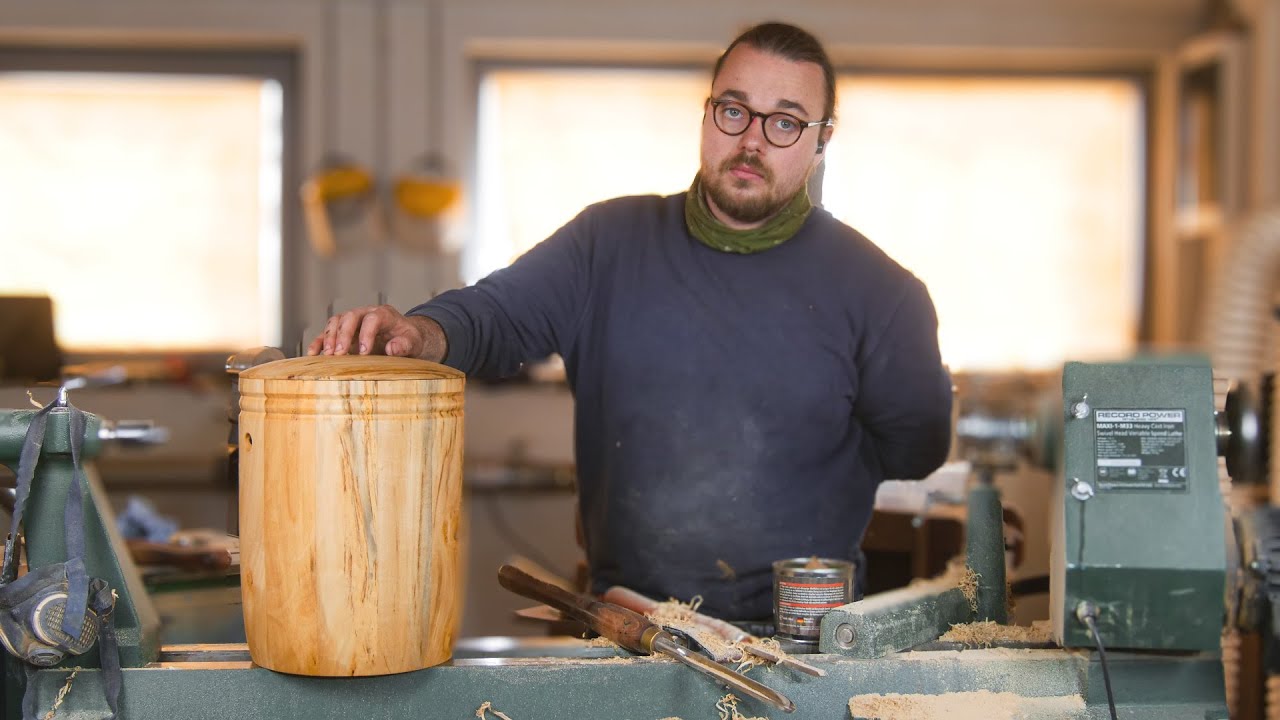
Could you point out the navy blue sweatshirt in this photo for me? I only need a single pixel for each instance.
(731, 410)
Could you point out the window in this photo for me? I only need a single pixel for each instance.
(1018, 200)
(148, 205)
(554, 140)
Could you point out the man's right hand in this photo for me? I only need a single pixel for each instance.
(380, 330)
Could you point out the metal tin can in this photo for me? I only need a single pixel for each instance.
(804, 590)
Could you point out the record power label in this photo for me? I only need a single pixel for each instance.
(1141, 450)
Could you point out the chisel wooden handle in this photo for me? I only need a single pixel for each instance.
(626, 628)
(186, 558)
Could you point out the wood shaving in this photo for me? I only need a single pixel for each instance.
(728, 707)
(601, 641)
(988, 633)
(979, 705)
(969, 586)
(726, 570)
(62, 695)
(488, 707)
(750, 660)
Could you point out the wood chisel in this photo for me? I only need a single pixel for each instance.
(632, 600)
(633, 631)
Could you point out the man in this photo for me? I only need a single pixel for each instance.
(746, 368)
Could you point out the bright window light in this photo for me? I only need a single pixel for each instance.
(147, 205)
(1017, 200)
(553, 141)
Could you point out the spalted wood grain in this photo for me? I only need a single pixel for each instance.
(350, 501)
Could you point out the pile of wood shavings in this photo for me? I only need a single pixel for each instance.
(728, 707)
(979, 705)
(678, 615)
(988, 633)
(750, 660)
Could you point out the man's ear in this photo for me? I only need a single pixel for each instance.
(823, 138)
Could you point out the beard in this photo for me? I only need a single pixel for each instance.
(746, 209)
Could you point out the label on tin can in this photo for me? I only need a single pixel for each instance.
(802, 596)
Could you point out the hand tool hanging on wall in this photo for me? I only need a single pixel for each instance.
(633, 632)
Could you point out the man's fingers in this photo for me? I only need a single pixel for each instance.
(359, 327)
(329, 329)
(316, 345)
(371, 322)
(348, 323)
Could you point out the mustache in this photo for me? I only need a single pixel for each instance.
(751, 161)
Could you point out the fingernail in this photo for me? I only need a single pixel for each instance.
(339, 350)
(363, 348)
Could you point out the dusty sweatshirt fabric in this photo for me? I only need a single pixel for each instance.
(731, 410)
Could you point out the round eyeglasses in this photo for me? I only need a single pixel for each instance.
(780, 129)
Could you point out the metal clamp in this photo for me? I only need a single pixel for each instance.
(1080, 409)
(1081, 489)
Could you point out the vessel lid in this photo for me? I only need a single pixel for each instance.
(351, 367)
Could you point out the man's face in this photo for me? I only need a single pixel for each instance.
(747, 180)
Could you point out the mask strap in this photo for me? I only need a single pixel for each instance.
(27, 459)
(104, 602)
(29, 695)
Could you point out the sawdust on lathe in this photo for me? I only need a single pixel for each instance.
(968, 585)
(601, 641)
(979, 705)
(988, 633)
(614, 660)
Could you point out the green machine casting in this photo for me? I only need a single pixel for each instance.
(1140, 525)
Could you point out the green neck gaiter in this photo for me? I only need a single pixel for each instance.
(715, 235)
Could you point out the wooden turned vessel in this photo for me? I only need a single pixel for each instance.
(350, 505)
